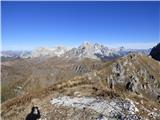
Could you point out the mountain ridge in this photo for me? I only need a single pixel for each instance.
(85, 50)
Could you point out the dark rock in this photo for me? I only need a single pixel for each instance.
(129, 86)
(155, 52)
(34, 115)
(100, 117)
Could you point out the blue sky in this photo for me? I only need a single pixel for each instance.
(27, 25)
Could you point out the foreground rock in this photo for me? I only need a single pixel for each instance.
(155, 52)
(107, 109)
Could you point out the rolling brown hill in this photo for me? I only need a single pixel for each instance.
(28, 75)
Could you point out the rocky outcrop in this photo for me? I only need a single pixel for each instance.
(155, 52)
(134, 73)
(106, 109)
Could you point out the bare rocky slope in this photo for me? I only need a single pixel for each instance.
(127, 88)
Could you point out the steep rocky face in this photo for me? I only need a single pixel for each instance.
(135, 73)
(155, 52)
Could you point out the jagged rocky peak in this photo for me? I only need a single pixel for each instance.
(155, 52)
(85, 45)
(96, 45)
(91, 46)
(92, 50)
(122, 48)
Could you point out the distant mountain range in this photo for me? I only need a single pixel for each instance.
(85, 50)
(13, 55)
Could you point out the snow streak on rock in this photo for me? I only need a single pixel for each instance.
(108, 108)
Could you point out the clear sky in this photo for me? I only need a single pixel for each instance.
(27, 25)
